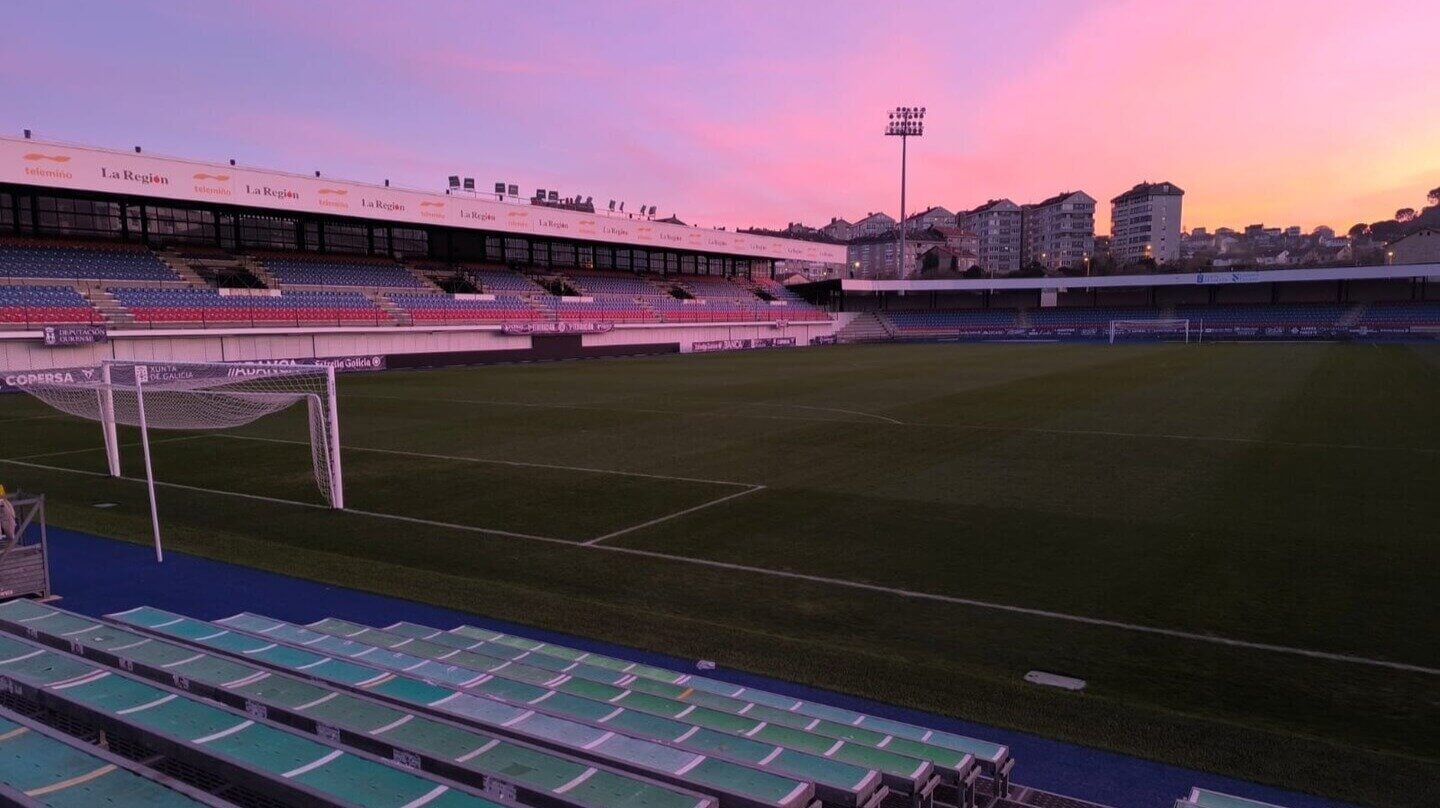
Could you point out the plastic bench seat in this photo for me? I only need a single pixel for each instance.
(382, 726)
(218, 737)
(735, 784)
(62, 772)
(799, 752)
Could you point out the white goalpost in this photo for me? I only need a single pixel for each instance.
(1177, 329)
(198, 396)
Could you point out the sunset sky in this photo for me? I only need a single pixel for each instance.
(1285, 112)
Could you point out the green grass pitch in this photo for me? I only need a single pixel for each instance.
(1275, 494)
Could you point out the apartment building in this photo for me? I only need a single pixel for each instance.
(998, 230)
(1059, 231)
(1145, 223)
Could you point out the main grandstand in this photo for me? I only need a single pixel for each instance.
(156, 250)
(924, 524)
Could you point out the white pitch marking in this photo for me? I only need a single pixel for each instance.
(102, 448)
(467, 459)
(932, 425)
(826, 580)
(668, 517)
(885, 418)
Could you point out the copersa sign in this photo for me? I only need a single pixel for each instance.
(33, 162)
(16, 380)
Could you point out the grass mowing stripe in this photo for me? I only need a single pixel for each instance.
(1288, 507)
(1104, 433)
(799, 576)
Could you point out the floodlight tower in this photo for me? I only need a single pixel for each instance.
(905, 123)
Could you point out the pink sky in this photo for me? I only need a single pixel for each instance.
(760, 113)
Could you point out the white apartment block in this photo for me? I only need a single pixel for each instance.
(1145, 223)
(1059, 231)
(998, 227)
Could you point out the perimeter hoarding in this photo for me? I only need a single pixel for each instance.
(81, 168)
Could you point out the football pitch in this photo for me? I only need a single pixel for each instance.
(1235, 545)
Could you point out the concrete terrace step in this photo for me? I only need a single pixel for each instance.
(864, 326)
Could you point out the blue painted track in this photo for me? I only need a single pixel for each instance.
(96, 575)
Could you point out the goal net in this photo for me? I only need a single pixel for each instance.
(1173, 329)
(200, 396)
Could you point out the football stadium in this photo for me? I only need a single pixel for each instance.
(1052, 440)
(1118, 541)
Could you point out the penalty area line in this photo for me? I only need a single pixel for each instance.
(676, 515)
(102, 448)
(302, 504)
(1211, 639)
(492, 461)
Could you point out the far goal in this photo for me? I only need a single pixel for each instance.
(1175, 330)
(198, 396)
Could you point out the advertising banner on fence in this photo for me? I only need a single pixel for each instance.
(342, 364)
(709, 346)
(159, 372)
(556, 327)
(13, 380)
(74, 334)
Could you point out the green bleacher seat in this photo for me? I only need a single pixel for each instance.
(465, 754)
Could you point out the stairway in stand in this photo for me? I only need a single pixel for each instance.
(1352, 317)
(181, 267)
(109, 308)
(866, 326)
(399, 315)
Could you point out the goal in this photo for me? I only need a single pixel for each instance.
(198, 396)
(1172, 329)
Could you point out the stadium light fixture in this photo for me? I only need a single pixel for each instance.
(904, 123)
